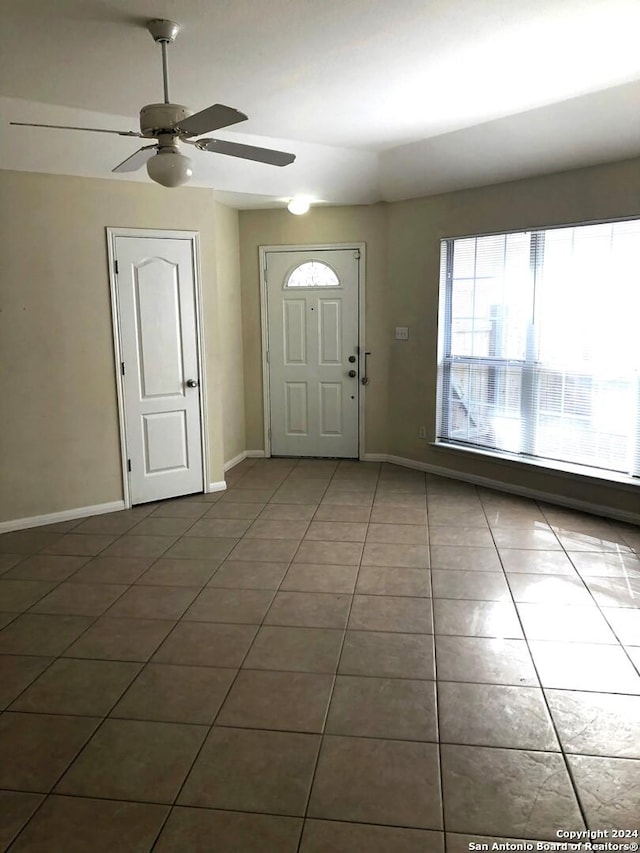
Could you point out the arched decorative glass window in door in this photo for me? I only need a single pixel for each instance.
(312, 274)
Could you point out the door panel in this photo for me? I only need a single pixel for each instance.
(158, 335)
(312, 315)
(297, 412)
(158, 329)
(330, 332)
(331, 394)
(165, 442)
(295, 333)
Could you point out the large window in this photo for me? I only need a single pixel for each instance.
(540, 345)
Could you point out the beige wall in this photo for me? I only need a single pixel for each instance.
(403, 245)
(60, 440)
(415, 230)
(322, 225)
(227, 250)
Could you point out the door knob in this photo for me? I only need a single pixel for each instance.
(192, 383)
(352, 373)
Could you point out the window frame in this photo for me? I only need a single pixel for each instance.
(446, 361)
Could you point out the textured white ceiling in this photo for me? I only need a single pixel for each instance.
(378, 100)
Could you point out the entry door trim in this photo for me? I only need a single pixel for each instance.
(264, 329)
(141, 233)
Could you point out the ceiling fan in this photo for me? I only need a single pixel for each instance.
(170, 124)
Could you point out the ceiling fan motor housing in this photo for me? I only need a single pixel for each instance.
(166, 124)
(162, 118)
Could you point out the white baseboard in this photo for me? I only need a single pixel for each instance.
(375, 457)
(500, 486)
(246, 454)
(220, 486)
(55, 517)
(235, 461)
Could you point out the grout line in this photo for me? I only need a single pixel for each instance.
(14, 837)
(313, 733)
(594, 693)
(437, 692)
(231, 685)
(205, 739)
(544, 696)
(235, 811)
(60, 654)
(199, 589)
(332, 690)
(595, 600)
(270, 814)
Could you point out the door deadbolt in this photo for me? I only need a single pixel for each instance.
(352, 358)
(352, 373)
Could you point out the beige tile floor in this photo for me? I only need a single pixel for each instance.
(326, 658)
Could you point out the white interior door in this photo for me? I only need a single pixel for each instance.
(159, 347)
(312, 315)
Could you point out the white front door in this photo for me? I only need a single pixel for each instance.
(312, 315)
(160, 377)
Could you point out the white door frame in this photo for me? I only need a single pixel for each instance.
(264, 329)
(152, 233)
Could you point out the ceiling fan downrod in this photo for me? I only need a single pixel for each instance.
(169, 124)
(164, 33)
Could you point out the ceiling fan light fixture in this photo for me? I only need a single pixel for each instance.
(169, 168)
(299, 206)
(170, 123)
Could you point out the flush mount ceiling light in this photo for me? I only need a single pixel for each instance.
(170, 124)
(299, 205)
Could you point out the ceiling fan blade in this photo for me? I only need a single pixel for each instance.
(137, 160)
(247, 152)
(213, 118)
(68, 127)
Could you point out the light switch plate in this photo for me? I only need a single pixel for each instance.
(402, 333)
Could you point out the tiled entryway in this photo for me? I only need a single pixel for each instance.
(327, 658)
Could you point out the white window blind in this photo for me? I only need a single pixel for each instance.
(540, 345)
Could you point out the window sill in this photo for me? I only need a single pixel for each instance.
(551, 466)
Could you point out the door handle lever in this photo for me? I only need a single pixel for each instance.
(365, 378)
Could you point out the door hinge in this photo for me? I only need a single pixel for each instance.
(269, 433)
(128, 464)
(267, 356)
(356, 254)
(122, 367)
(116, 268)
